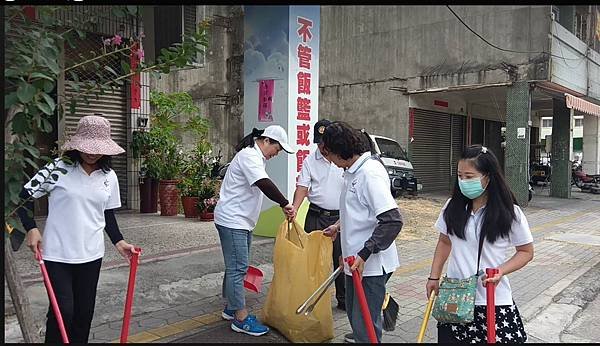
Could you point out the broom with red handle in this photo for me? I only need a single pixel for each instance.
(129, 298)
(491, 306)
(360, 295)
(53, 302)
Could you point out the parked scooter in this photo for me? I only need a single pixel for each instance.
(579, 177)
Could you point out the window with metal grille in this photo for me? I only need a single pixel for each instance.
(579, 122)
(546, 122)
(173, 22)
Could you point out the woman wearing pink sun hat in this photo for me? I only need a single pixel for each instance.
(81, 206)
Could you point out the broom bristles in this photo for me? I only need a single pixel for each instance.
(390, 314)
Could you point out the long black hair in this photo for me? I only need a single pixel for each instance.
(499, 212)
(248, 141)
(344, 140)
(74, 157)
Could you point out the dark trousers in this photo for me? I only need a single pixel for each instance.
(75, 289)
(313, 222)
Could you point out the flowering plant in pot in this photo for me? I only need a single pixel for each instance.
(207, 199)
(195, 169)
(167, 127)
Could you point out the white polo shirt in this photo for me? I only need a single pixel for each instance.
(323, 179)
(74, 231)
(240, 200)
(365, 195)
(463, 256)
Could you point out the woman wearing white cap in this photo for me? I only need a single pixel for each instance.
(237, 212)
(81, 206)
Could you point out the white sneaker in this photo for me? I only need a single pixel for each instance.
(349, 338)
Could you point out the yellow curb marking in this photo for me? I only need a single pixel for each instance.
(198, 321)
(142, 337)
(167, 330)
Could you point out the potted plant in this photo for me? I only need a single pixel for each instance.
(166, 153)
(196, 168)
(207, 199)
(141, 144)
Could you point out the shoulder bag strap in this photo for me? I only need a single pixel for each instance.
(481, 239)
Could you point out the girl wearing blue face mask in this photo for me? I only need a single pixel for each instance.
(481, 205)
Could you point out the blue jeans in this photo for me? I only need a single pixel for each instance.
(235, 244)
(374, 287)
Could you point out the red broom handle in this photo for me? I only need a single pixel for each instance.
(129, 297)
(53, 302)
(491, 306)
(364, 307)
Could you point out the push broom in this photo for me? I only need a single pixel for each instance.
(491, 306)
(133, 264)
(362, 300)
(53, 302)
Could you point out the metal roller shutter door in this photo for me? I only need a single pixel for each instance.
(431, 149)
(113, 106)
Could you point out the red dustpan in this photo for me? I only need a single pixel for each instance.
(253, 279)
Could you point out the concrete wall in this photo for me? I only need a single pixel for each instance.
(221, 75)
(570, 66)
(371, 106)
(365, 50)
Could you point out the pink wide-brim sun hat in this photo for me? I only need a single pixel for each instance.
(93, 137)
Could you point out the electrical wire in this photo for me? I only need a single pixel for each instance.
(562, 53)
(500, 48)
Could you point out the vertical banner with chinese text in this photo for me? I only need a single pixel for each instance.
(303, 84)
(281, 80)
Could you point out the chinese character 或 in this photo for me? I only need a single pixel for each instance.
(302, 134)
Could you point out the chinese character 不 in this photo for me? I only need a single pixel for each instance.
(300, 156)
(302, 134)
(304, 56)
(303, 83)
(303, 108)
(304, 30)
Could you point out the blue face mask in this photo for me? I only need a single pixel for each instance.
(471, 188)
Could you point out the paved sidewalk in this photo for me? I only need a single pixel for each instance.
(179, 298)
(563, 251)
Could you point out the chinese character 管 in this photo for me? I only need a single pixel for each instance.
(303, 108)
(304, 30)
(304, 56)
(302, 134)
(303, 83)
(300, 156)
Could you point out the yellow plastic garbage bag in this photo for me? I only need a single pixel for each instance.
(301, 263)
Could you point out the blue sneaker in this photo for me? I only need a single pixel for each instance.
(249, 326)
(228, 314)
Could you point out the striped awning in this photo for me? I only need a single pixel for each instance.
(582, 105)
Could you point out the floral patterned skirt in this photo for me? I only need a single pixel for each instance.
(509, 326)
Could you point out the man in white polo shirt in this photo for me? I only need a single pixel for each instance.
(321, 181)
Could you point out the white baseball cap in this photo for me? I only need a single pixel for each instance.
(277, 133)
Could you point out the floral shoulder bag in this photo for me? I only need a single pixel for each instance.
(456, 299)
